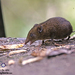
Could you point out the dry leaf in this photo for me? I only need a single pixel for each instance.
(41, 52)
(13, 46)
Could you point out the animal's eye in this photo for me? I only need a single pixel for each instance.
(31, 34)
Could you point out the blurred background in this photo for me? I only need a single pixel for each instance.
(19, 16)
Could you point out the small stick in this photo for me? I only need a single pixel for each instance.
(16, 52)
(24, 62)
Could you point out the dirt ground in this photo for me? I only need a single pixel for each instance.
(55, 65)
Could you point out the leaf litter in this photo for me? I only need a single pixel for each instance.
(36, 51)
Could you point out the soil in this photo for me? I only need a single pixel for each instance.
(55, 65)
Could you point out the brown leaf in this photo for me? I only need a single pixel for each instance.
(13, 46)
(41, 52)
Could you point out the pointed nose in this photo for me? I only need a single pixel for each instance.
(26, 41)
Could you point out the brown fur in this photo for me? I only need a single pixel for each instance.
(53, 28)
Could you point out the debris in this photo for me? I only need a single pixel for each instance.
(41, 52)
(57, 52)
(11, 62)
(58, 44)
(54, 51)
(24, 62)
(13, 46)
(60, 50)
(16, 52)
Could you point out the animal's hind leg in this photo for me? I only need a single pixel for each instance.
(43, 42)
(68, 37)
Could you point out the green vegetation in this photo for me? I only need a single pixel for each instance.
(20, 15)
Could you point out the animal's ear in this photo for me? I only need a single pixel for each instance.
(35, 25)
(40, 29)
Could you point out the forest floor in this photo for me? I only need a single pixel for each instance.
(51, 64)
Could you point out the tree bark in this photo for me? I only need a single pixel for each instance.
(2, 31)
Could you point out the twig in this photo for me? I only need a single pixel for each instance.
(16, 52)
(24, 62)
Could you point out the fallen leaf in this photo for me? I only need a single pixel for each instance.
(13, 46)
(41, 52)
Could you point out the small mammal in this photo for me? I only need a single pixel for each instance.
(53, 28)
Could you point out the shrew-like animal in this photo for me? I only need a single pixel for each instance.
(53, 28)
